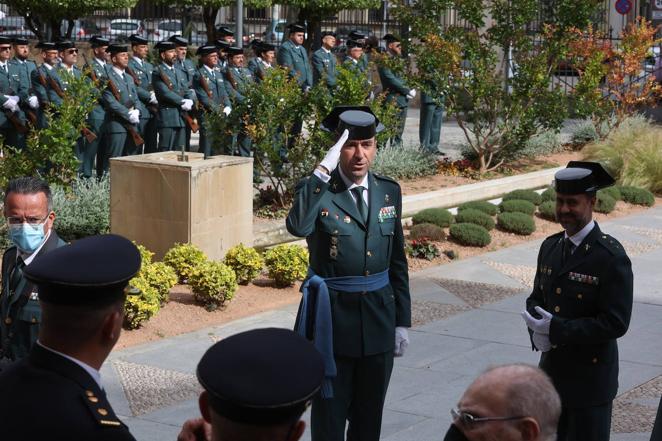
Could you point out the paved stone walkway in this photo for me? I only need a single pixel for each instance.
(466, 318)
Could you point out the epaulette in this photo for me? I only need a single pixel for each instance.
(387, 179)
(100, 409)
(611, 244)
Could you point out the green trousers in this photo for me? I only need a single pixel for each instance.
(396, 139)
(90, 150)
(429, 129)
(171, 138)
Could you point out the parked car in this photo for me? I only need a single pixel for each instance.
(121, 28)
(165, 29)
(82, 30)
(14, 26)
(275, 32)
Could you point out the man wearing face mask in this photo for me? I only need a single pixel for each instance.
(28, 210)
(514, 402)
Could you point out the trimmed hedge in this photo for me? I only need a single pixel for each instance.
(484, 206)
(183, 258)
(213, 284)
(473, 216)
(515, 222)
(604, 203)
(547, 210)
(436, 216)
(523, 195)
(613, 191)
(429, 231)
(286, 264)
(470, 234)
(548, 195)
(245, 261)
(636, 195)
(518, 206)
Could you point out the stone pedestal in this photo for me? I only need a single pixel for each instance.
(158, 200)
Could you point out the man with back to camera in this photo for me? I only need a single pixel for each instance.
(580, 304)
(356, 304)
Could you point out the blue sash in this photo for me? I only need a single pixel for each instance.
(322, 322)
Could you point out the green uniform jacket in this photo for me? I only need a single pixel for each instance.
(117, 112)
(20, 313)
(324, 68)
(24, 70)
(143, 73)
(295, 59)
(11, 84)
(395, 87)
(62, 81)
(340, 244)
(187, 68)
(236, 79)
(101, 72)
(215, 85)
(42, 91)
(258, 68)
(590, 297)
(170, 100)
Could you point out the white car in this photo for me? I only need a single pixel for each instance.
(166, 29)
(121, 28)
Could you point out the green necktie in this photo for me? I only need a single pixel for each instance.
(360, 203)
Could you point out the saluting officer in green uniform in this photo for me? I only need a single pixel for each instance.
(212, 95)
(25, 66)
(122, 113)
(580, 304)
(40, 80)
(187, 68)
(141, 71)
(265, 56)
(396, 88)
(432, 115)
(324, 62)
(95, 121)
(174, 96)
(12, 91)
(237, 78)
(351, 219)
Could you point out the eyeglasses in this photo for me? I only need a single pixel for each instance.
(34, 221)
(468, 420)
(5, 48)
(72, 51)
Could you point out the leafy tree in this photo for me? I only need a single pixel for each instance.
(42, 16)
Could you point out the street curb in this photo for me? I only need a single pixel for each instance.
(269, 235)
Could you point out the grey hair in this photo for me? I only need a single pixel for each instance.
(29, 185)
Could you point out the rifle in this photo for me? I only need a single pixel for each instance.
(137, 139)
(89, 135)
(205, 87)
(230, 77)
(15, 120)
(153, 108)
(191, 122)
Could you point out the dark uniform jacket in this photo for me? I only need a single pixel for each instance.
(48, 397)
(12, 84)
(395, 87)
(117, 112)
(590, 297)
(341, 244)
(20, 313)
(101, 73)
(295, 59)
(170, 101)
(217, 96)
(39, 79)
(324, 67)
(236, 81)
(258, 68)
(143, 82)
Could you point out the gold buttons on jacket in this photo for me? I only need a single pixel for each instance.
(89, 393)
(317, 190)
(558, 290)
(367, 273)
(102, 411)
(579, 296)
(557, 308)
(595, 360)
(8, 321)
(93, 399)
(369, 254)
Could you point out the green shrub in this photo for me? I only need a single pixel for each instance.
(613, 191)
(638, 196)
(473, 216)
(547, 210)
(430, 231)
(470, 234)
(604, 203)
(183, 258)
(246, 263)
(584, 133)
(517, 206)
(142, 305)
(523, 195)
(548, 195)
(404, 163)
(484, 206)
(544, 143)
(145, 254)
(286, 264)
(161, 277)
(436, 216)
(213, 284)
(82, 211)
(516, 222)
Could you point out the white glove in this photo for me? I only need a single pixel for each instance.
(227, 110)
(152, 97)
(541, 342)
(187, 104)
(330, 161)
(134, 116)
(33, 102)
(371, 96)
(412, 94)
(10, 103)
(541, 326)
(401, 341)
(14, 98)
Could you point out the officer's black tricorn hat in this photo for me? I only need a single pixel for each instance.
(137, 39)
(390, 38)
(178, 40)
(359, 120)
(116, 48)
(232, 51)
(99, 41)
(224, 31)
(353, 43)
(221, 44)
(164, 45)
(64, 45)
(20, 41)
(91, 271)
(582, 177)
(357, 35)
(206, 49)
(46, 46)
(261, 377)
(295, 27)
(5, 40)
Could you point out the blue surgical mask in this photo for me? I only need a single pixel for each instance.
(27, 237)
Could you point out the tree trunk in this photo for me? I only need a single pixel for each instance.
(70, 27)
(209, 16)
(34, 25)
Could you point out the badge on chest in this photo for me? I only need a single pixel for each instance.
(583, 278)
(387, 213)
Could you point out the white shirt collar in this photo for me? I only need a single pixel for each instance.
(100, 61)
(28, 258)
(325, 50)
(579, 237)
(209, 69)
(350, 184)
(3, 64)
(138, 60)
(118, 71)
(168, 67)
(95, 374)
(264, 62)
(48, 66)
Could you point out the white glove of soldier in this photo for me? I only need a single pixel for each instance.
(33, 102)
(330, 161)
(227, 110)
(541, 342)
(10, 103)
(152, 98)
(134, 116)
(187, 104)
(401, 341)
(541, 326)
(412, 94)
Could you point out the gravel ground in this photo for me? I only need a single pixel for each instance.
(477, 294)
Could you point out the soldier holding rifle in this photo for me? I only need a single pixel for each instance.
(12, 119)
(141, 71)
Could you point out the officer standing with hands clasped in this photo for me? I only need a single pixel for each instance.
(356, 303)
(580, 304)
